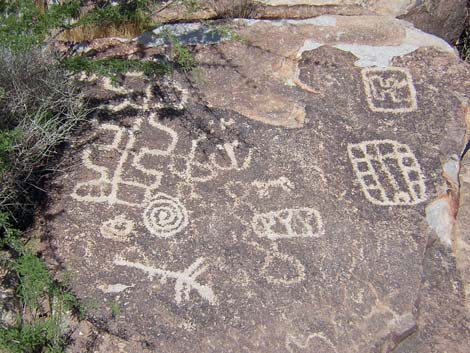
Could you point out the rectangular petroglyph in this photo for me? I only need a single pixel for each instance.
(289, 223)
(388, 172)
(185, 280)
(389, 90)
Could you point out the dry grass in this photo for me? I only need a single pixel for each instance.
(234, 8)
(40, 108)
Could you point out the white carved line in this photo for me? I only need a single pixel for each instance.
(114, 179)
(304, 343)
(118, 228)
(165, 216)
(415, 191)
(185, 280)
(229, 149)
(264, 186)
(307, 221)
(144, 151)
(294, 262)
(378, 88)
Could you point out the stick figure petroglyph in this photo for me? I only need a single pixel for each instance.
(185, 280)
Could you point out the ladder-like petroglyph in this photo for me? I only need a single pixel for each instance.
(185, 280)
(165, 216)
(302, 222)
(389, 90)
(388, 172)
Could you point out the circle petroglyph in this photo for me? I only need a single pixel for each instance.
(165, 216)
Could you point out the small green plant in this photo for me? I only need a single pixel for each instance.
(115, 309)
(37, 330)
(463, 44)
(180, 54)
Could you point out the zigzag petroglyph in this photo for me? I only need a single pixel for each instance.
(185, 280)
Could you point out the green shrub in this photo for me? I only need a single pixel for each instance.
(113, 67)
(24, 26)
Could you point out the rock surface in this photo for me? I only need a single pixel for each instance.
(445, 18)
(302, 201)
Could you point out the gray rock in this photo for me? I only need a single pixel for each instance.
(284, 210)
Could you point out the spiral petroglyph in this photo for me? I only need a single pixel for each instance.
(165, 216)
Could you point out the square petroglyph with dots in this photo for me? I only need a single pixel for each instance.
(389, 90)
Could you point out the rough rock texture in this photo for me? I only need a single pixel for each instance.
(304, 200)
(445, 18)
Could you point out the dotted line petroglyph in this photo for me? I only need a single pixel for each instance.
(185, 280)
(389, 90)
(289, 223)
(388, 172)
(165, 216)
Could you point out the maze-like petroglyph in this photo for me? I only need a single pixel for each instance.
(388, 172)
(165, 216)
(185, 280)
(389, 90)
(288, 223)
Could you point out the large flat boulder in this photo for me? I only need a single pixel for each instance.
(445, 18)
(298, 195)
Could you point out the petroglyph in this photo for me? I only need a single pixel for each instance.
(389, 90)
(119, 228)
(275, 263)
(230, 152)
(388, 172)
(165, 216)
(195, 171)
(185, 280)
(105, 188)
(264, 187)
(316, 342)
(289, 223)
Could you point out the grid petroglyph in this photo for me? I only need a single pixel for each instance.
(388, 172)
